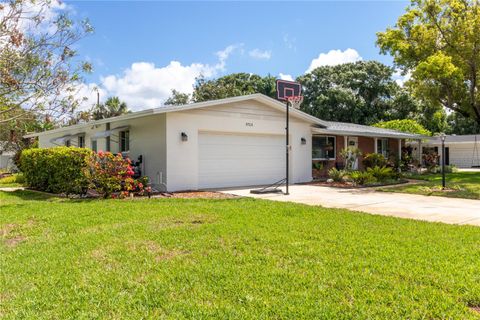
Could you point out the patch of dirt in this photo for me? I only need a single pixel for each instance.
(475, 309)
(7, 229)
(13, 242)
(155, 249)
(10, 238)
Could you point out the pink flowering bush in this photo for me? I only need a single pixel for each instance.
(112, 175)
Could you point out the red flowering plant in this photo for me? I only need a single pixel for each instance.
(112, 175)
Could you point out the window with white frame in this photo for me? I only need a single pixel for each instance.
(323, 147)
(124, 141)
(81, 141)
(68, 143)
(382, 147)
(94, 145)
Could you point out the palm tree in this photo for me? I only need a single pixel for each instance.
(113, 107)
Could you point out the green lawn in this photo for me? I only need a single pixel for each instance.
(459, 184)
(15, 180)
(233, 258)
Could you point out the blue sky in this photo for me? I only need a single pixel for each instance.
(135, 42)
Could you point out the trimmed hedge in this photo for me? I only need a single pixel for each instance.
(56, 170)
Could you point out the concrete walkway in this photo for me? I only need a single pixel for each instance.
(428, 208)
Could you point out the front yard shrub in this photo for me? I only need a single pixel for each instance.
(381, 174)
(111, 175)
(56, 170)
(362, 178)
(336, 175)
(431, 161)
(350, 155)
(374, 160)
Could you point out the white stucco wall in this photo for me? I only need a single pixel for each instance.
(147, 138)
(248, 117)
(461, 154)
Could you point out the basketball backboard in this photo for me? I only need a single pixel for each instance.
(287, 89)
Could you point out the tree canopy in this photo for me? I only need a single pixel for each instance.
(363, 92)
(177, 99)
(437, 41)
(113, 107)
(232, 85)
(39, 69)
(404, 125)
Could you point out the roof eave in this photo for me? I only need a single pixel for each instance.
(367, 134)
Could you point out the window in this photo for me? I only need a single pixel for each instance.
(94, 145)
(124, 141)
(68, 143)
(323, 148)
(382, 147)
(81, 141)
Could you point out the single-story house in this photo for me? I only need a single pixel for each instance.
(237, 141)
(462, 151)
(6, 157)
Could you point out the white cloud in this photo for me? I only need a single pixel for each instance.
(144, 85)
(260, 54)
(285, 76)
(290, 42)
(87, 95)
(224, 54)
(334, 57)
(399, 78)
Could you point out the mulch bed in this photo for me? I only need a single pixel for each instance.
(4, 175)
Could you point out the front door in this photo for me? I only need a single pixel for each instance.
(352, 142)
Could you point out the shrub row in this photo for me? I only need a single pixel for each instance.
(73, 170)
(371, 175)
(56, 170)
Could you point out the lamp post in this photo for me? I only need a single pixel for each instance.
(442, 137)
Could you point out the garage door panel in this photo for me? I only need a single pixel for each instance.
(227, 160)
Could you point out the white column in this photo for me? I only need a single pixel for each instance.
(420, 151)
(345, 142)
(375, 140)
(400, 149)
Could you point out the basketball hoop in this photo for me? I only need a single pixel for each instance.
(295, 101)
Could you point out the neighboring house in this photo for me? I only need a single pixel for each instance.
(461, 151)
(237, 141)
(6, 157)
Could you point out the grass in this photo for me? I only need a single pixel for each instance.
(459, 185)
(233, 258)
(15, 180)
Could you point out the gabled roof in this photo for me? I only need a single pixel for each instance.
(256, 97)
(344, 128)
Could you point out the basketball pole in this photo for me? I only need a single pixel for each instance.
(287, 147)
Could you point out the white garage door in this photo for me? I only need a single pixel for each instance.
(231, 160)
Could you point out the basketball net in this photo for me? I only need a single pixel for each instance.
(295, 101)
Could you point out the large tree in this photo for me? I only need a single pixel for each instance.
(39, 69)
(363, 92)
(404, 125)
(438, 42)
(232, 85)
(113, 107)
(177, 98)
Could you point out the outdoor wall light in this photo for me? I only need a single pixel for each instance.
(303, 140)
(184, 136)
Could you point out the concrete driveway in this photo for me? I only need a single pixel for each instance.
(428, 208)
